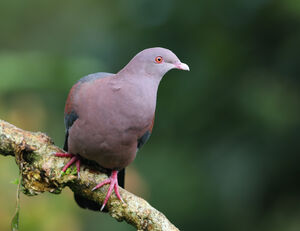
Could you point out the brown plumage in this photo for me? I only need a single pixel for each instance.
(109, 116)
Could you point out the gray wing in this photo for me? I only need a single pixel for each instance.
(94, 76)
(70, 114)
(70, 117)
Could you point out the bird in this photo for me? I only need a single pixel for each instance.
(109, 117)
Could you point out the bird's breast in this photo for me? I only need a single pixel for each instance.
(110, 123)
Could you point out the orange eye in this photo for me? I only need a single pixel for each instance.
(158, 59)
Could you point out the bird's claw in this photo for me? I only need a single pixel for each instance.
(74, 159)
(112, 180)
(113, 184)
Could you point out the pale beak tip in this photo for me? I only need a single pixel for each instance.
(182, 66)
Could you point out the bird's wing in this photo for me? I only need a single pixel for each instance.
(70, 117)
(70, 113)
(145, 137)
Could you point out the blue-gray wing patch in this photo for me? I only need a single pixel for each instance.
(143, 139)
(92, 77)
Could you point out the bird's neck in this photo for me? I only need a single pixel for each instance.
(141, 80)
(138, 93)
(132, 73)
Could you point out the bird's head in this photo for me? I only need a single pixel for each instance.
(155, 62)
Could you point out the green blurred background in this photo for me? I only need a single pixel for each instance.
(224, 153)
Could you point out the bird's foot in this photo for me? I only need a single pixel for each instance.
(74, 158)
(113, 184)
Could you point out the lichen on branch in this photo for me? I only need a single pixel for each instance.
(41, 172)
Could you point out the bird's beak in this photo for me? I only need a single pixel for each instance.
(182, 66)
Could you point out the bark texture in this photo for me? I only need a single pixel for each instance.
(41, 172)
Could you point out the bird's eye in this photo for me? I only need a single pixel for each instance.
(158, 59)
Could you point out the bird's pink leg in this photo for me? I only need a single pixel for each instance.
(63, 154)
(74, 158)
(78, 167)
(113, 184)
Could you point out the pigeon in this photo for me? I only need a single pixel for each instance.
(109, 117)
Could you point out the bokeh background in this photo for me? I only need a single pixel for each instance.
(224, 153)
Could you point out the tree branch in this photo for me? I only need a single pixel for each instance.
(41, 172)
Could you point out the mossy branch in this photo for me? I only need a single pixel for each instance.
(41, 172)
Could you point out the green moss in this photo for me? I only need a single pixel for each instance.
(15, 181)
(70, 171)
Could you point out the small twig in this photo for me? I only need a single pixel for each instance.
(41, 173)
(15, 219)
